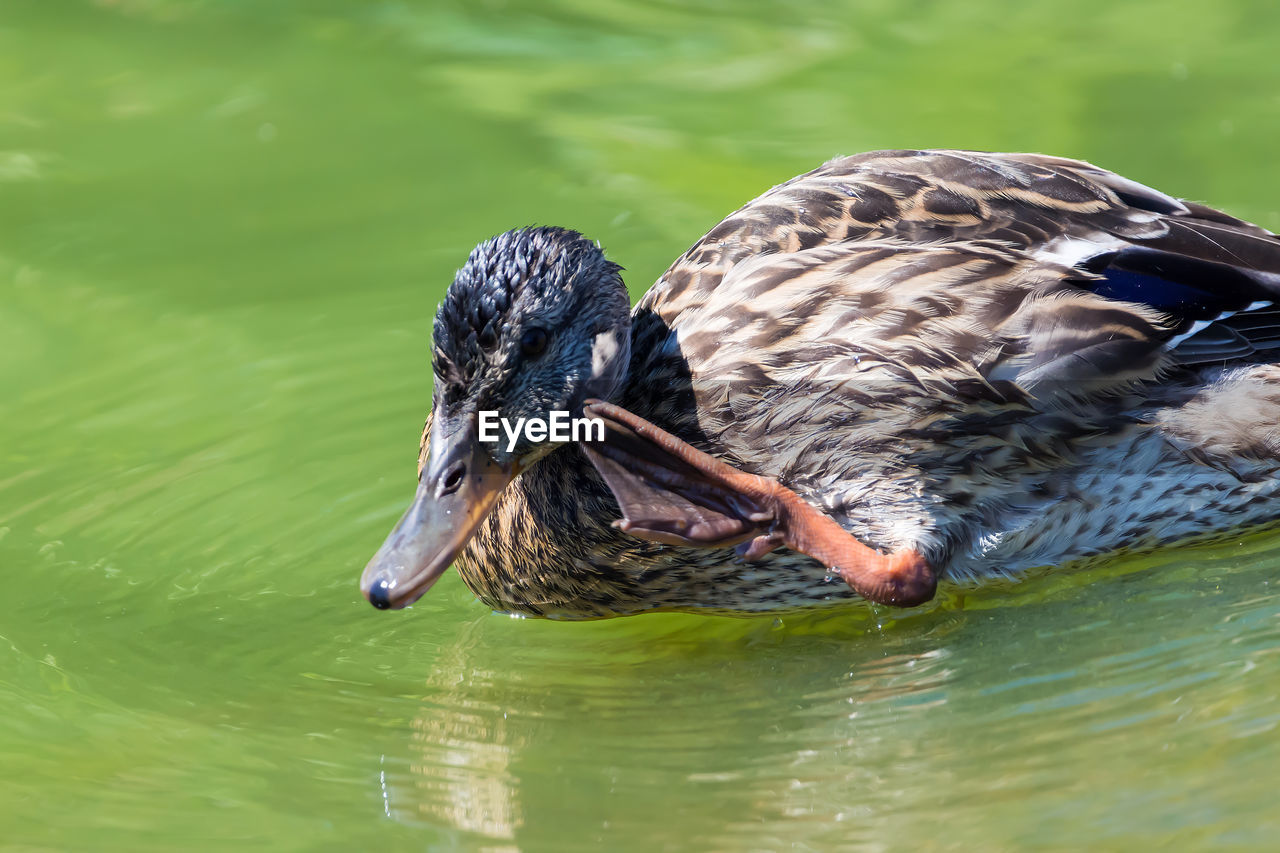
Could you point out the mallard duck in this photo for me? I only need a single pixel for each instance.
(900, 368)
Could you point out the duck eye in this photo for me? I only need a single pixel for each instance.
(533, 342)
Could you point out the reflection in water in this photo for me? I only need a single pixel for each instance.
(461, 753)
(609, 742)
(993, 725)
(464, 783)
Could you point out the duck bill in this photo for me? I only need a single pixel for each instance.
(456, 491)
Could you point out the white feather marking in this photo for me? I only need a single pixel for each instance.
(1200, 325)
(603, 351)
(1196, 328)
(1069, 251)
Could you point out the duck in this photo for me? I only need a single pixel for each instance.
(898, 370)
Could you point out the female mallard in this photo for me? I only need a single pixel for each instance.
(899, 367)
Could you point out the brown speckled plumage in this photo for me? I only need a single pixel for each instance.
(967, 354)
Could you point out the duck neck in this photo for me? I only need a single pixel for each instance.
(547, 548)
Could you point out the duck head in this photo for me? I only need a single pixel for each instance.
(536, 322)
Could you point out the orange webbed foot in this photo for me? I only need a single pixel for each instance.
(671, 492)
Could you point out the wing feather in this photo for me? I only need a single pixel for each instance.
(1194, 265)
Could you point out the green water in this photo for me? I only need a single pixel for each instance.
(224, 227)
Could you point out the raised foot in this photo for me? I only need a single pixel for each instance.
(671, 492)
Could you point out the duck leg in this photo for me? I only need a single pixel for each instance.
(671, 492)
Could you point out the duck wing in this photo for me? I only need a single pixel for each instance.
(898, 325)
(1214, 279)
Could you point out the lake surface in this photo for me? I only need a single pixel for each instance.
(224, 228)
